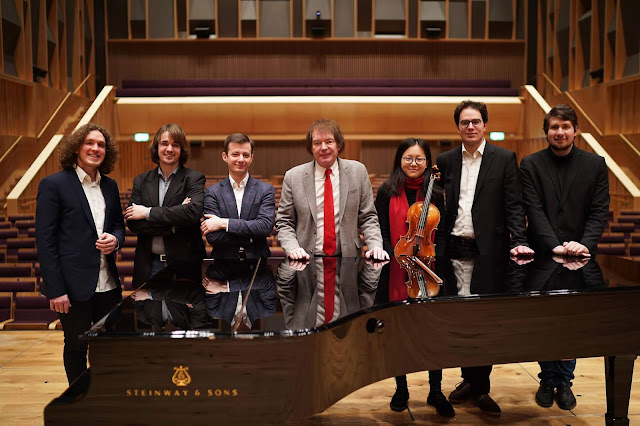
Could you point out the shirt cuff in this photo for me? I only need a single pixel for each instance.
(226, 226)
(148, 213)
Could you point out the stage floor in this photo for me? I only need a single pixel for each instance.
(31, 375)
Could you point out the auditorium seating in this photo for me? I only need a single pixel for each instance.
(31, 312)
(6, 307)
(316, 87)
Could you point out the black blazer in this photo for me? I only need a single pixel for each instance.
(251, 229)
(177, 223)
(579, 213)
(66, 235)
(497, 211)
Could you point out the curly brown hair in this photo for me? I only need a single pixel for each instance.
(68, 149)
(178, 136)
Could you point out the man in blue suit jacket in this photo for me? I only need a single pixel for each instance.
(79, 227)
(240, 210)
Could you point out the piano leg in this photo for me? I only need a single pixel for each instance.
(619, 373)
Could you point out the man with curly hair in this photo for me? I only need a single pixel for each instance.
(79, 227)
(166, 206)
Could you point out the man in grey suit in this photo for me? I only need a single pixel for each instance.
(239, 210)
(328, 187)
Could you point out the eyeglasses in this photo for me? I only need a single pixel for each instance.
(476, 122)
(419, 161)
(328, 142)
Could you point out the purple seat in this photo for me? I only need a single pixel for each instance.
(16, 217)
(616, 249)
(5, 225)
(629, 213)
(617, 237)
(6, 300)
(277, 251)
(6, 234)
(31, 313)
(17, 284)
(625, 228)
(27, 255)
(634, 250)
(15, 270)
(127, 253)
(125, 269)
(130, 241)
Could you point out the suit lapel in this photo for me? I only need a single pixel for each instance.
(310, 189)
(151, 186)
(230, 199)
(82, 198)
(107, 202)
(485, 166)
(174, 186)
(457, 172)
(553, 176)
(345, 179)
(248, 197)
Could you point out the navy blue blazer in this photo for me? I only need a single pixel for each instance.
(66, 235)
(254, 225)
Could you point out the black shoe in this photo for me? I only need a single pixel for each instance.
(544, 396)
(400, 400)
(439, 401)
(564, 397)
(488, 405)
(461, 393)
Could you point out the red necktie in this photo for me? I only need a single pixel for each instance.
(329, 246)
(329, 264)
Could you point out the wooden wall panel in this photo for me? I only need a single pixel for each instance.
(26, 107)
(624, 108)
(214, 118)
(192, 59)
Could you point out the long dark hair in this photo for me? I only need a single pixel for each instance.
(397, 178)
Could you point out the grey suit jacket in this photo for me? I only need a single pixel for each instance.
(296, 221)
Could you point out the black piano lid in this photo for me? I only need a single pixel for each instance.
(233, 299)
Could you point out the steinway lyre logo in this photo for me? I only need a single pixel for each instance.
(181, 376)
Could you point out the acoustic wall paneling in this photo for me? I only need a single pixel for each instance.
(433, 19)
(229, 26)
(344, 19)
(162, 19)
(390, 18)
(275, 18)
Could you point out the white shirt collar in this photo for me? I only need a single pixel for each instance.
(480, 148)
(82, 175)
(241, 184)
(320, 171)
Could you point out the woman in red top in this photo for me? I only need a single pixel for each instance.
(407, 184)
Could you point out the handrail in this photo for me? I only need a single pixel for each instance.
(44, 128)
(10, 148)
(31, 173)
(586, 116)
(556, 88)
(624, 138)
(83, 82)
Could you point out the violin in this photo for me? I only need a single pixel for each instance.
(415, 251)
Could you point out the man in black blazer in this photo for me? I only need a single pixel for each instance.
(566, 195)
(483, 215)
(166, 206)
(239, 210)
(79, 227)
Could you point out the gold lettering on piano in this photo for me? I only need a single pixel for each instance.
(181, 376)
(182, 393)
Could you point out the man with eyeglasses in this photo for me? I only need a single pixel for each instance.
(566, 195)
(484, 216)
(326, 202)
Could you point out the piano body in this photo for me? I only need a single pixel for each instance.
(259, 351)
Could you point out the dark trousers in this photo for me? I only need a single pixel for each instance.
(79, 319)
(557, 371)
(435, 381)
(478, 377)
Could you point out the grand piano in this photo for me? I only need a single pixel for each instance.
(260, 342)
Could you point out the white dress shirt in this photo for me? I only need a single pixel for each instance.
(157, 242)
(319, 184)
(463, 226)
(93, 192)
